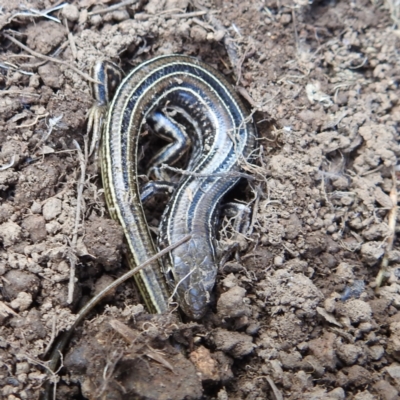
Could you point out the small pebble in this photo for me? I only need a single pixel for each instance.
(22, 302)
(52, 208)
(278, 261)
(71, 12)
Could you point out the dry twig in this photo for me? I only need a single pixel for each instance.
(9, 165)
(33, 13)
(130, 336)
(53, 334)
(83, 160)
(59, 348)
(113, 7)
(71, 41)
(47, 58)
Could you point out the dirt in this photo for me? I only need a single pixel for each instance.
(298, 315)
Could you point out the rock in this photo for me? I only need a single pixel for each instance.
(323, 350)
(119, 15)
(380, 309)
(376, 231)
(376, 352)
(52, 208)
(103, 241)
(205, 365)
(365, 395)
(96, 20)
(35, 225)
(393, 346)
(341, 379)
(329, 260)
(222, 395)
(356, 310)
(391, 293)
(224, 363)
(371, 252)
(302, 382)
(30, 327)
(315, 244)
(293, 227)
(198, 33)
(291, 361)
(70, 12)
(348, 353)
(312, 364)
(17, 281)
(10, 233)
(382, 198)
(44, 36)
(37, 181)
(7, 178)
(2, 268)
(22, 302)
(6, 210)
(330, 302)
(345, 271)
(229, 281)
(253, 328)
(336, 394)
(234, 343)
(275, 368)
(319, 393)
(231, 303)
(394, 372)
(278, 261)
(386, 390)
(358, 376)
(171, 4)
(394, 256)
(22, 368)
(51, 75)
(77, 359)
(154, 6)
(53, 227)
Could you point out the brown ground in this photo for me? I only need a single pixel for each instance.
(298, 317)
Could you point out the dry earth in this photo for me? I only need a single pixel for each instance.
(299, 316)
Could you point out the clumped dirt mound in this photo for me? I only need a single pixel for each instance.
(299, 316)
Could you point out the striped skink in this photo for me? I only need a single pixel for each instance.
(191, 105)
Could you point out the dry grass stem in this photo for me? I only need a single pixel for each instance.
(83, 160)
(114, 7)
(33, 13)
(47, 58)
(53, 334)
(59, 348)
